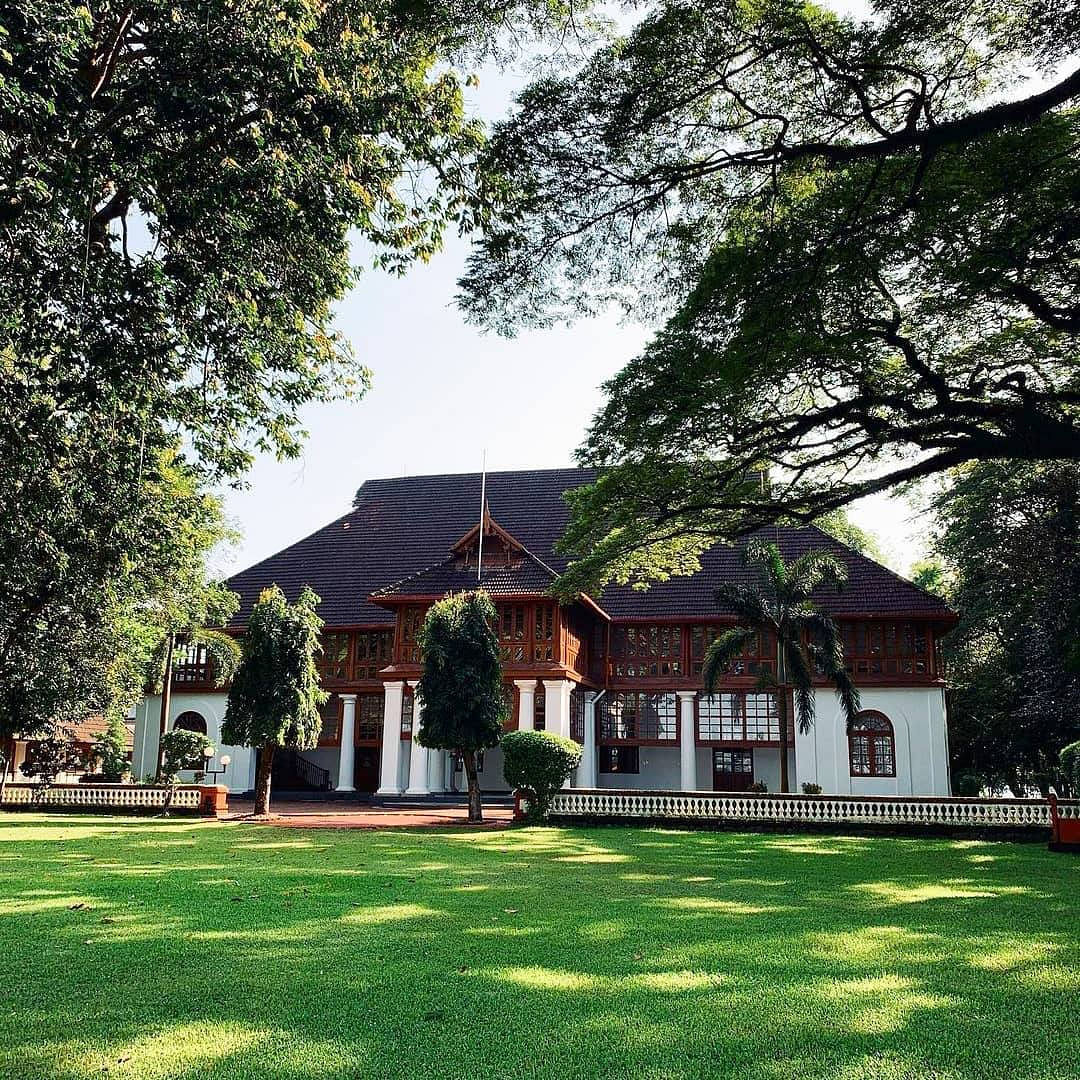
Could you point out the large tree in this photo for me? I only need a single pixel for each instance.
(461, 685)
(1008, 537)
(807, 642)
(98, 559)
(275, 696)
(864, 234)
(179, 185)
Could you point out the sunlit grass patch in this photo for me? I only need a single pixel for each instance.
(176, 949)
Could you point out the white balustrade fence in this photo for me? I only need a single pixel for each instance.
(809, 809)
(102, 797)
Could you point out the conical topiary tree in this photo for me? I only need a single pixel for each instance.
(461, 686)
(275, 696)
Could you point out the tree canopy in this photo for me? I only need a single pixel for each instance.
(275, 696)
(179, 186)
(1008, 540)
(461, 684)
(862, 232)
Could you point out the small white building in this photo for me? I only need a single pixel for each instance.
(620, 673)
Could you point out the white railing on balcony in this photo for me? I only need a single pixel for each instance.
(808, 809)
(102, 797)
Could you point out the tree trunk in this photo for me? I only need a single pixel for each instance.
(262, 780)
(468, 758)
(166, 701)
(782, 713)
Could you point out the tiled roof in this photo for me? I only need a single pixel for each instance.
(404, 528)
(527, 575)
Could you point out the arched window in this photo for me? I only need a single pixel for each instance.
(190, 721)
(871, 745)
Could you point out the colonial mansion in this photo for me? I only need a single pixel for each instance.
(619, 672)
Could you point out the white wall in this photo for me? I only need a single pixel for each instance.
(238, 777)
(919, 728)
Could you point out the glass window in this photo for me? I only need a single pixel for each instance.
(872, 748)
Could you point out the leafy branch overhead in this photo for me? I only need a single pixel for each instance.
(862, 233)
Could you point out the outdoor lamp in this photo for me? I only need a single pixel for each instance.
(225, 760)
(208, 752)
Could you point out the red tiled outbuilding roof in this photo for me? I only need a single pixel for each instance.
(403, 529)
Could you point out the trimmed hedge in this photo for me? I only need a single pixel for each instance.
(538, 763)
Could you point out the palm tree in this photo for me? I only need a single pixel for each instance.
(807, 641)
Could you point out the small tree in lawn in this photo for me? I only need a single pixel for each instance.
(461, 685)
(110, 749)
(806, 639)
(275, 697)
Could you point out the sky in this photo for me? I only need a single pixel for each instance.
(444, 394)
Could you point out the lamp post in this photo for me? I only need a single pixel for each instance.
(225, 761)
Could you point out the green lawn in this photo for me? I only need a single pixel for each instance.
(196, 949)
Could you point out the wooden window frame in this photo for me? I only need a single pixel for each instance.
(366, 702)
(642, 651)
(702, 732)
(605, 722)
(884, 734)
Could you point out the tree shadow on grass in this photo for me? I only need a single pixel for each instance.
(536, 952)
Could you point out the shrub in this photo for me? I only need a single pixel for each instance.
(758, 787)
(1070, 766)
(183, 750)
(49, 758)
(967, 785)
(110, 748)
(538, 763)
(811, 789)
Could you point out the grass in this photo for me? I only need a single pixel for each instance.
(139, 949)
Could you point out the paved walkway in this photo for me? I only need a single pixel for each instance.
(330, 815)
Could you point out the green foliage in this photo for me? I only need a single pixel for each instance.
(929, 574)
(967, 784)
(781, 603)
(1070, 767)
(183, 750)
(538, 762)
(179, 186)
(1008, 536)
(111, 751)
(838, 524)
(275, 695)
(811, 789)
(862, 233)
(758, 787)
(49, 758)
(461, 684)
(100, 553)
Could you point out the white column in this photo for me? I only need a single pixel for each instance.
(391, 739)
(436, 770)
(347, 754)
(586, 773)
(526, 690)
(418, 757)
(687, 742)
(557, 706)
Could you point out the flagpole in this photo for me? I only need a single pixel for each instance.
(483, 493)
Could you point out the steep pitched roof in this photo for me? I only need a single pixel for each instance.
(404, 528)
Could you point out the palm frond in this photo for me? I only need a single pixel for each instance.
(747, 603)
(766, 554)
(828, 650)
(814, 569)
(801, 677)
(721, 652)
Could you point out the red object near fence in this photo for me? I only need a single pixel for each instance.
(1064, 831)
